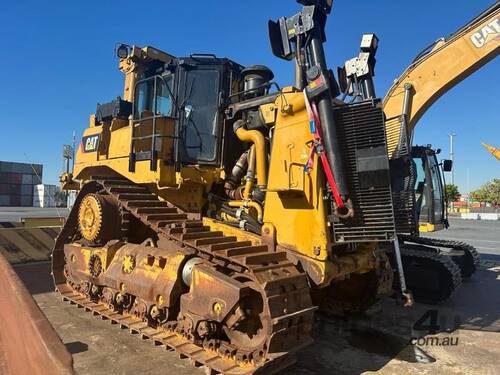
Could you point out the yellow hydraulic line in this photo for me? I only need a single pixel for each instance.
(257, 138)
(251, 204)
(249, 180)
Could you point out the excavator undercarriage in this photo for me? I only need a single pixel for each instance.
(420, 198)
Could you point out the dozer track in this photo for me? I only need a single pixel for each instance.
(285, 289)
(431, 276)
(464, 255)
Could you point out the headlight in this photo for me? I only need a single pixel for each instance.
(122, 51)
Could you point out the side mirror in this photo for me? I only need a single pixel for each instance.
(447, 165)
(342, 75)
(280, 44)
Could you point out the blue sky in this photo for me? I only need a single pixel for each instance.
(57, 62)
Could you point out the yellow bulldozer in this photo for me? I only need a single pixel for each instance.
(217, 211)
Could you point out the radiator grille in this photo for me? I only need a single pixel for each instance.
(361, 129)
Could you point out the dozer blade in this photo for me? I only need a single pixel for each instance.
(28, 343)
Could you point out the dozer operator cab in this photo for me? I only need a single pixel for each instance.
(430, 196)
(171, 114)
(177, 111)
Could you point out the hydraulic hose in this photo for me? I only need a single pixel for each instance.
(329, 128)
(243, 215)
(251, 223)
(232, 184)
(251, 204)
(257, 138)
(250, 176)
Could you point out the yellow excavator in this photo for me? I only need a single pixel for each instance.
(433, 268)
(420, 201)
(217, 211)
(434, 71)
(492, 150)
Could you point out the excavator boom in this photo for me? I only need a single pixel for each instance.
(493, 150)
(417, 182)
(436, 70)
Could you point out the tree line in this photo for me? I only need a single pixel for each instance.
(488, 192)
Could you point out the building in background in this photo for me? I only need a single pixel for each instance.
(17, 181)
(71, 198)
(46, 196)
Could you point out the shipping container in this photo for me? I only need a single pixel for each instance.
(45, 195)
(17, 181)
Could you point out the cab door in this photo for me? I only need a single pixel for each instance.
(438, 204)
(429, 191)
(199, 119)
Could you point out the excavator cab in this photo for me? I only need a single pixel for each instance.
(430, 196)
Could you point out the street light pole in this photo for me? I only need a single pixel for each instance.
(453, 165)
(451, 135)
(73, 150)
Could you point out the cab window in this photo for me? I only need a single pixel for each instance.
(436, 189)
(152, 97)
(421, 185)
(200, 115)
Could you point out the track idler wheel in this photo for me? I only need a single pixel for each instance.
(99, 218)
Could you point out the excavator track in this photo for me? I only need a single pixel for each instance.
(285, 288)
(431, 276)
(463, 254)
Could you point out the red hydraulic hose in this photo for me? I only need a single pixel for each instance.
(315, 128)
